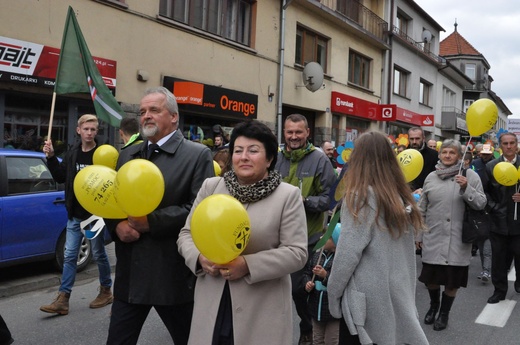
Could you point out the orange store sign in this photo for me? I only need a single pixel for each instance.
(211, 99)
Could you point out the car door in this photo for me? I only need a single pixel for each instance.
(32, 210)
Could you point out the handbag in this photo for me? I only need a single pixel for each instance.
(476, 223)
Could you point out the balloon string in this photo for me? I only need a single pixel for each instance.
(463, 155)
(516, 204)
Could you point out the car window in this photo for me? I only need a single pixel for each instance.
(28, 175)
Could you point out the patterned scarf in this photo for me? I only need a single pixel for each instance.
(253, 192)
(445, 172)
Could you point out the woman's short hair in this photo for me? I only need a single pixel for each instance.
(256, 130)
(454, 144)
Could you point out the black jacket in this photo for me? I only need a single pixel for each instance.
(430, 157)
(500, 203)
(65, 172)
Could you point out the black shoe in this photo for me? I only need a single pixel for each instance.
(430, 315)
(305, 339)
(497, 297)
(517, 286)
(441, 322)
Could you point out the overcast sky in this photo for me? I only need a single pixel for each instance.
(492, 28)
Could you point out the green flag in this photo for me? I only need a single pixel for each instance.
(78, 73)
(332, 224)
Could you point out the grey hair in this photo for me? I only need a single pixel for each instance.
(452, 143)
(171, 101)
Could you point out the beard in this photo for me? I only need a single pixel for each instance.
(150, 131)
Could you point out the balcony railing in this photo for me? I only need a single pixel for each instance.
(420, 46)
(360, 14)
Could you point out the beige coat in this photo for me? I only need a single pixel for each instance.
(261, 301)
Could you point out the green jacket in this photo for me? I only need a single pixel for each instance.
(311, 171)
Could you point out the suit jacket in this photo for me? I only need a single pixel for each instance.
(150, 270)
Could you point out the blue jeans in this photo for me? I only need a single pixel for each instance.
(484, 248)
(70, 262)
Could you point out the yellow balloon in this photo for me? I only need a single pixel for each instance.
(139, 187)
(438, 145)
(106, 155)
(411, 162)
(481, 116)
(94, 189)
(216, 166)
(518, 173)
(220, 228)
(505, 173)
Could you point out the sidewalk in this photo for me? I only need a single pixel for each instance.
(48, 280)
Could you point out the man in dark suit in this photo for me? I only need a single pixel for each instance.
(502, 203)
(150, 272)
(431, 157)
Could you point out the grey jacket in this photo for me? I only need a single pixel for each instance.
(372, 283)
(442, 203)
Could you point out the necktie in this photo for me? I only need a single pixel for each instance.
(151, 149)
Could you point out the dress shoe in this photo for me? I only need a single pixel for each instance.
(497, 297)
(517, 286)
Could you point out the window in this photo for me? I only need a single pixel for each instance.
(449, 98)
(424, 92)
(28, 175)
(359, 70)
(471, 70)
(310, 47)
(467, 103)
(230, 19)
(400, 81)
(402, 25)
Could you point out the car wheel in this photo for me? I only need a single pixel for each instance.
(84, 256)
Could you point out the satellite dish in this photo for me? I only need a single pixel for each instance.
(313, 76)
(426, 36)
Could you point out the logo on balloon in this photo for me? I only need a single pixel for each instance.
(411, 162)
(242, 236)
(220, 228)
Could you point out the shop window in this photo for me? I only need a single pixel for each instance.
(424, 92)
(359, 70)
(400, 81)
(310, 47)
(230, 19)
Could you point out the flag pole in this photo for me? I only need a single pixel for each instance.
(51, 118)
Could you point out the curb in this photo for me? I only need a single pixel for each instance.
(48, 280)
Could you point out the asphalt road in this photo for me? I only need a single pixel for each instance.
(24, 288)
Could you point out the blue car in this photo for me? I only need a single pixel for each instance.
(33, 217)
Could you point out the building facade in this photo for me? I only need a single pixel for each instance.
(232, 60)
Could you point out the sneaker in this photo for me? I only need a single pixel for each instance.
(480, 275)
(485, 277)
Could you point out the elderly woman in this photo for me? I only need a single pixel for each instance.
(248, 300)
(373, 278)
(445, 258)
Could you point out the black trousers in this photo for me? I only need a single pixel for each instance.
(503, 248)
(5, 334)
(300, 302)
(127, 321)
(345, 338)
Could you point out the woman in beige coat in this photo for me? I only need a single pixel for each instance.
(248, 300)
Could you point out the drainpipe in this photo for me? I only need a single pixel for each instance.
(388, 63)
(283, 8)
